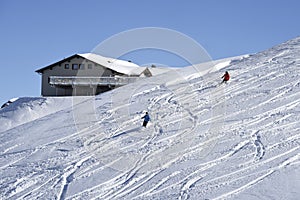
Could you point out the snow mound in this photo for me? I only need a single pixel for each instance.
(24, 110)
(9, 102)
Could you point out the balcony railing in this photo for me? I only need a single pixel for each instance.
(91, 81)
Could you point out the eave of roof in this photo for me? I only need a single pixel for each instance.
(56, 63)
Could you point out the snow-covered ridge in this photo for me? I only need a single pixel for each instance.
(27, 109)
(204, 141)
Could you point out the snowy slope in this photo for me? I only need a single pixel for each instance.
(204, 141)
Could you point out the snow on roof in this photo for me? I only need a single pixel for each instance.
(121, 66)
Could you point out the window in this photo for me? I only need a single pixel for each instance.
(81, 66)
(90, 66)
(67, 66)
(75, 66)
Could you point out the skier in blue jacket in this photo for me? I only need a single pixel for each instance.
(146, 118)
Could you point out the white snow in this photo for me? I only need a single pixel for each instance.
(121, 66)
(205, 141)
(158, 70)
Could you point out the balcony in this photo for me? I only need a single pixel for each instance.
(91, 81)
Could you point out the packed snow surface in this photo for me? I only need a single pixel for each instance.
(205, 140)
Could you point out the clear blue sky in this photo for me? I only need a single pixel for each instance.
(36, 33)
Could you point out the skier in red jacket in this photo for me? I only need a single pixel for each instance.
(225, 77)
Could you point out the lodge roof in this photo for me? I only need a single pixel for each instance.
(120, 66)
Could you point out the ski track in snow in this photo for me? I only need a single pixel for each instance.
(177, 156)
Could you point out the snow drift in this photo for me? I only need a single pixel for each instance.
(205, 140)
